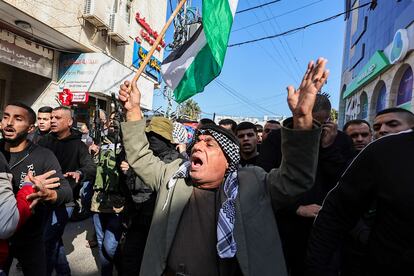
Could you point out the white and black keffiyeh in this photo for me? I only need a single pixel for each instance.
(179, 134)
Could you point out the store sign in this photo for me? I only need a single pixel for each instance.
(67, 98)
(153, 69)
(147, 33)
(25, 54)
(399, 46)
(98, 73)
(376, 64)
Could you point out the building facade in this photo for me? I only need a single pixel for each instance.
(378, 60)
(77, 52)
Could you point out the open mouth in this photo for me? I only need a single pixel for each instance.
(8, 131)
(196, 162)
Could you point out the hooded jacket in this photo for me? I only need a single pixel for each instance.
(39, 160)
(14, 211)
(72, 154)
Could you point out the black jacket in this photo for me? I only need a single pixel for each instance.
(381, 173)
(39, 160)
(294, 230)
(72, 154)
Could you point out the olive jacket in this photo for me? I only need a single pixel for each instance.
(259, 249)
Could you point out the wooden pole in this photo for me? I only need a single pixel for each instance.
(157, 41)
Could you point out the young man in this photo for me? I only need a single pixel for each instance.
(228, 124)
(392, 120)
(247, 136)
(211, 215)
(381, 173)
(77, 166)
(268, 127)
(27, 245)
(360, 133)
(44, 115)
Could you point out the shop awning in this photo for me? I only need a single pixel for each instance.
(99, 73)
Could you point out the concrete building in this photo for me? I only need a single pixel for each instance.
(255, 120)
(378, 60)
(77, 52)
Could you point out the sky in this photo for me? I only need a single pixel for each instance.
(258, 73)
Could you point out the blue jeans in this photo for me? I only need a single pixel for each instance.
(55, 251)
(108, 232)
(86, 194)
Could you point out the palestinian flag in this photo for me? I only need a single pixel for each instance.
(198, 61)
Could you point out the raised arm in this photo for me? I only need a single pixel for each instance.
(300, 140)
(142, 160)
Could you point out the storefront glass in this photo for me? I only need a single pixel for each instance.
(381, 99)
(405, 90)
(363, 114)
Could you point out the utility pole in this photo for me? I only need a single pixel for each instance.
(187, 17)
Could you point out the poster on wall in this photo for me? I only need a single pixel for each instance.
(99, 73)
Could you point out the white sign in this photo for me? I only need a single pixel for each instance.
(399, 47)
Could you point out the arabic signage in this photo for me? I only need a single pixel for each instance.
(66, 97)
(153, 69)
(376, 64)
(25, 54)
(147, 33)
(99, 73)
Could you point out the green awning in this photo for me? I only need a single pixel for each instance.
(376, 64)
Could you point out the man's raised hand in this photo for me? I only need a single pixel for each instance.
(130, 98)
(302, 100)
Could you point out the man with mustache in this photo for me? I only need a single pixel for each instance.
(212, 217)
(27, 245)
(77, 166)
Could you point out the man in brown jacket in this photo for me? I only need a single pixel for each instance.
(212, 217)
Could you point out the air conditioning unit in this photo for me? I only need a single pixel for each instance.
(97, 12)
(118, 29)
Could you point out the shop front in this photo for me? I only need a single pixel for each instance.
(26, 68)
(88, 81)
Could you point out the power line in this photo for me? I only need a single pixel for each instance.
(298, 28)
(282, 57)
(285, 40)
(243, 98)
(279, 15)
(258, 6)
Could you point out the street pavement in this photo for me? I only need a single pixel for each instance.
(82, 260)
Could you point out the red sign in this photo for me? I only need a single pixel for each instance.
(147, 32)
(67, 98)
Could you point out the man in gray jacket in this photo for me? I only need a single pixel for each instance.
(212, 217)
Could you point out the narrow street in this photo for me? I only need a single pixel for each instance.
(83, 260)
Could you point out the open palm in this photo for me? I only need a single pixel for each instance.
(302, 100)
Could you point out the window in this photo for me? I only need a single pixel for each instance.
(405, 89)
(382, 93)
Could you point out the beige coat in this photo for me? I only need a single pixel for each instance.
(259, 249)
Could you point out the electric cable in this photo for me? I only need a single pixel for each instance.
(298, 28)
(258, 6)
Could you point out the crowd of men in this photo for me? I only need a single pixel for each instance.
(298, 197)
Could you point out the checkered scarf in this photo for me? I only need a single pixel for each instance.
(226, 244)
(179, 134)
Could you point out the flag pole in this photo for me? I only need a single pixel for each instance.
(157, 41)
